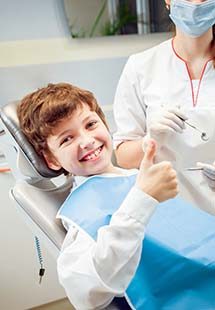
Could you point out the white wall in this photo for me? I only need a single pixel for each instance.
(35, 49)
(24, 21)
(32, 20)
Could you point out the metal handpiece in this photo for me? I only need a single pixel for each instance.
(41, 274)
(194, 168)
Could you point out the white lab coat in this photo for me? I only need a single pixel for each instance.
(159, 78)
(93, 272)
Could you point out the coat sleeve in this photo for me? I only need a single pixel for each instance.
(94, 272)
(129, 107)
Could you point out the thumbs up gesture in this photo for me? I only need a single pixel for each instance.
(157, 180)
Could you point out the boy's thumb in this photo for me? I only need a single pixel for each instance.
(148, 159)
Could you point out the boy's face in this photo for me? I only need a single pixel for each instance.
(81, 144)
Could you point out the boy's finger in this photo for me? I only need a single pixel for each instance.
(149, 155)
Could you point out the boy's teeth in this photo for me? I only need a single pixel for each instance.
(93, 155)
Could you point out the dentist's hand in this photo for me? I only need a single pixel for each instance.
(157, 180)
(208, 172)
(162, 124)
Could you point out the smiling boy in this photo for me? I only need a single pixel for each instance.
(87, 141)
(67, 127)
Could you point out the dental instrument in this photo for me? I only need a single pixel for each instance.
(194, 168)
(204, 136)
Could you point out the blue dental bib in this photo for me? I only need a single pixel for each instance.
(177, 266)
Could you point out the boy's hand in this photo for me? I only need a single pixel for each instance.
(157, 180)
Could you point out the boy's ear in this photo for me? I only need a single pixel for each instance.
(51, 162)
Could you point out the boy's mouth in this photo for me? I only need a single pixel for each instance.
(92, 154)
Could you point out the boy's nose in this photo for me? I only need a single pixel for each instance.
(86, 142)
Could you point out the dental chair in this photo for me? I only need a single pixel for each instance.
(39, 191)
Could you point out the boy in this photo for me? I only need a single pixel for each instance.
(68, 128)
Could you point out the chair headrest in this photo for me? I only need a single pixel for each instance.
(8, 115)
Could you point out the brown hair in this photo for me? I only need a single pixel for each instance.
(41, 111)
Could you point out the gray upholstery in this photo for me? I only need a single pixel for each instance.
(38, 201)
(10, 120)
(41, 206)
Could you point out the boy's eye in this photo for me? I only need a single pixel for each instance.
(65, 140)
(91, 124)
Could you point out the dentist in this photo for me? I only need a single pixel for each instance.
(166, 86)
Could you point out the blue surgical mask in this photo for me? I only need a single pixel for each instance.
(192, 18)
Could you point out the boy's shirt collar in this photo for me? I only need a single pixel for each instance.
(78, 180)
